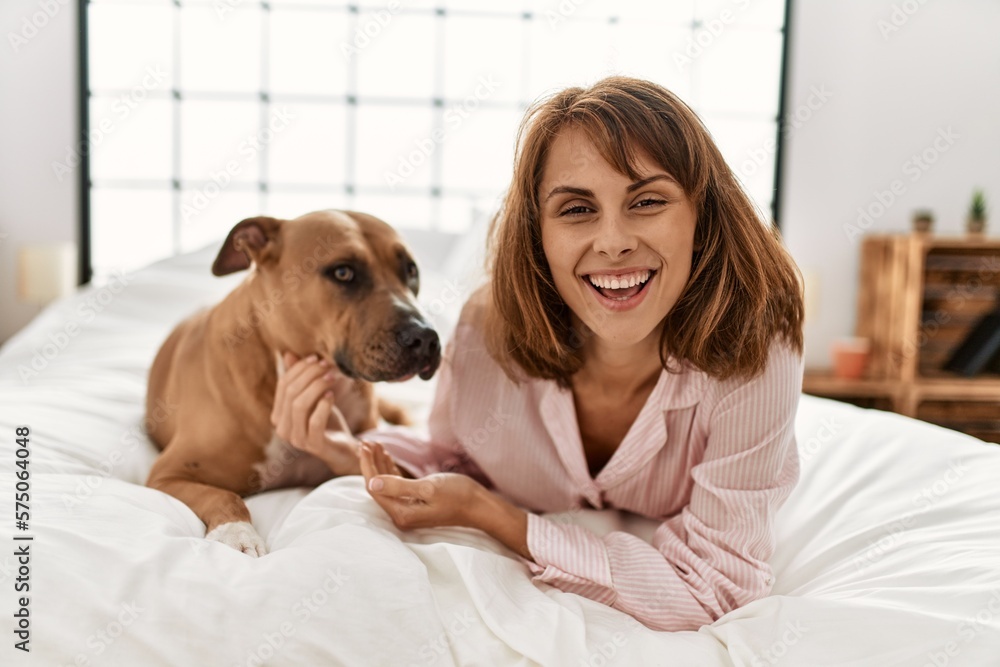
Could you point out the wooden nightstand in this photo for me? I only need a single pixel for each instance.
(918, 297)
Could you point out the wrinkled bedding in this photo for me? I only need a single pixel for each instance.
(888, 550)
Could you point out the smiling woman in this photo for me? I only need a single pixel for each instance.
(627, 168)
(638, 347)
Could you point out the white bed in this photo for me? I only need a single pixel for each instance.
(888, 550)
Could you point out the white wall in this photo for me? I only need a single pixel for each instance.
(38, 123)
(890, 98)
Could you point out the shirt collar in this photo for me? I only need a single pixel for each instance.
(673, 391)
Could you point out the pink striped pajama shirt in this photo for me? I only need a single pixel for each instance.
(712, 460)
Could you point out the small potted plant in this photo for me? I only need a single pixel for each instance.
(977, 213)
(923, 220)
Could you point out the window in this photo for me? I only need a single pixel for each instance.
(203, 113)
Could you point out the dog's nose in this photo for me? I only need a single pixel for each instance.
(421, 340)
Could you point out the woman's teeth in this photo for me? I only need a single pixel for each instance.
(620, 282)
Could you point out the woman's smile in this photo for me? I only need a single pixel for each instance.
(619, 290)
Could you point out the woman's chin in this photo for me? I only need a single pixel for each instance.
(622, 336)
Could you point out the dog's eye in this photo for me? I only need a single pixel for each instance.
(411, 271)
(342, 273)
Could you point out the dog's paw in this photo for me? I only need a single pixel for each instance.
(241, 536)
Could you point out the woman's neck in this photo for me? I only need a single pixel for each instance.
(625, 370)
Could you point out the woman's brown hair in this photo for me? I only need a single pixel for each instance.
(744, 289)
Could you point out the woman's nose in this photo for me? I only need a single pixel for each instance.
(614, 239)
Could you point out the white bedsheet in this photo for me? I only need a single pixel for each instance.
(888, 551)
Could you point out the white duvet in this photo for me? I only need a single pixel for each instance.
(888, 551)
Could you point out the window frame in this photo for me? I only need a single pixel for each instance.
(84, 93)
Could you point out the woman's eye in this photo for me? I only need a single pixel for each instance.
(649, 202)
(344, 274)
(575, 210)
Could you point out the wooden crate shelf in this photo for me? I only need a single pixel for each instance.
(919, 295)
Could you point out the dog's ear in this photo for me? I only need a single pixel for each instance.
(251, 240)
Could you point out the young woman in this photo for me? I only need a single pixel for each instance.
(638, 347)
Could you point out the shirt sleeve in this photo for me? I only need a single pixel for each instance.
(439, 450)
(711, 557)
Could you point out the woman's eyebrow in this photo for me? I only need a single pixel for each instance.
(646, 181)
(569, 189)
(583, 192)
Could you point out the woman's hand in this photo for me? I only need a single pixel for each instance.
(306, 416)
(441, 499)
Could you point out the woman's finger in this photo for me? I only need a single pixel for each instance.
(394, 486)
(292, 372)
(317, 420)
(391, 506)
(296, 369)
(296, 384)
(388, 464)
(286, 415)
(385, 464)
(365, 460)
(378, 459)
(378, 456)
(303, 405)
(294, 411)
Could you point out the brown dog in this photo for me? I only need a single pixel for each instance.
(340, 285)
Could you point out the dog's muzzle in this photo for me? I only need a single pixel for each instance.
(421, 345)
(409, 349)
